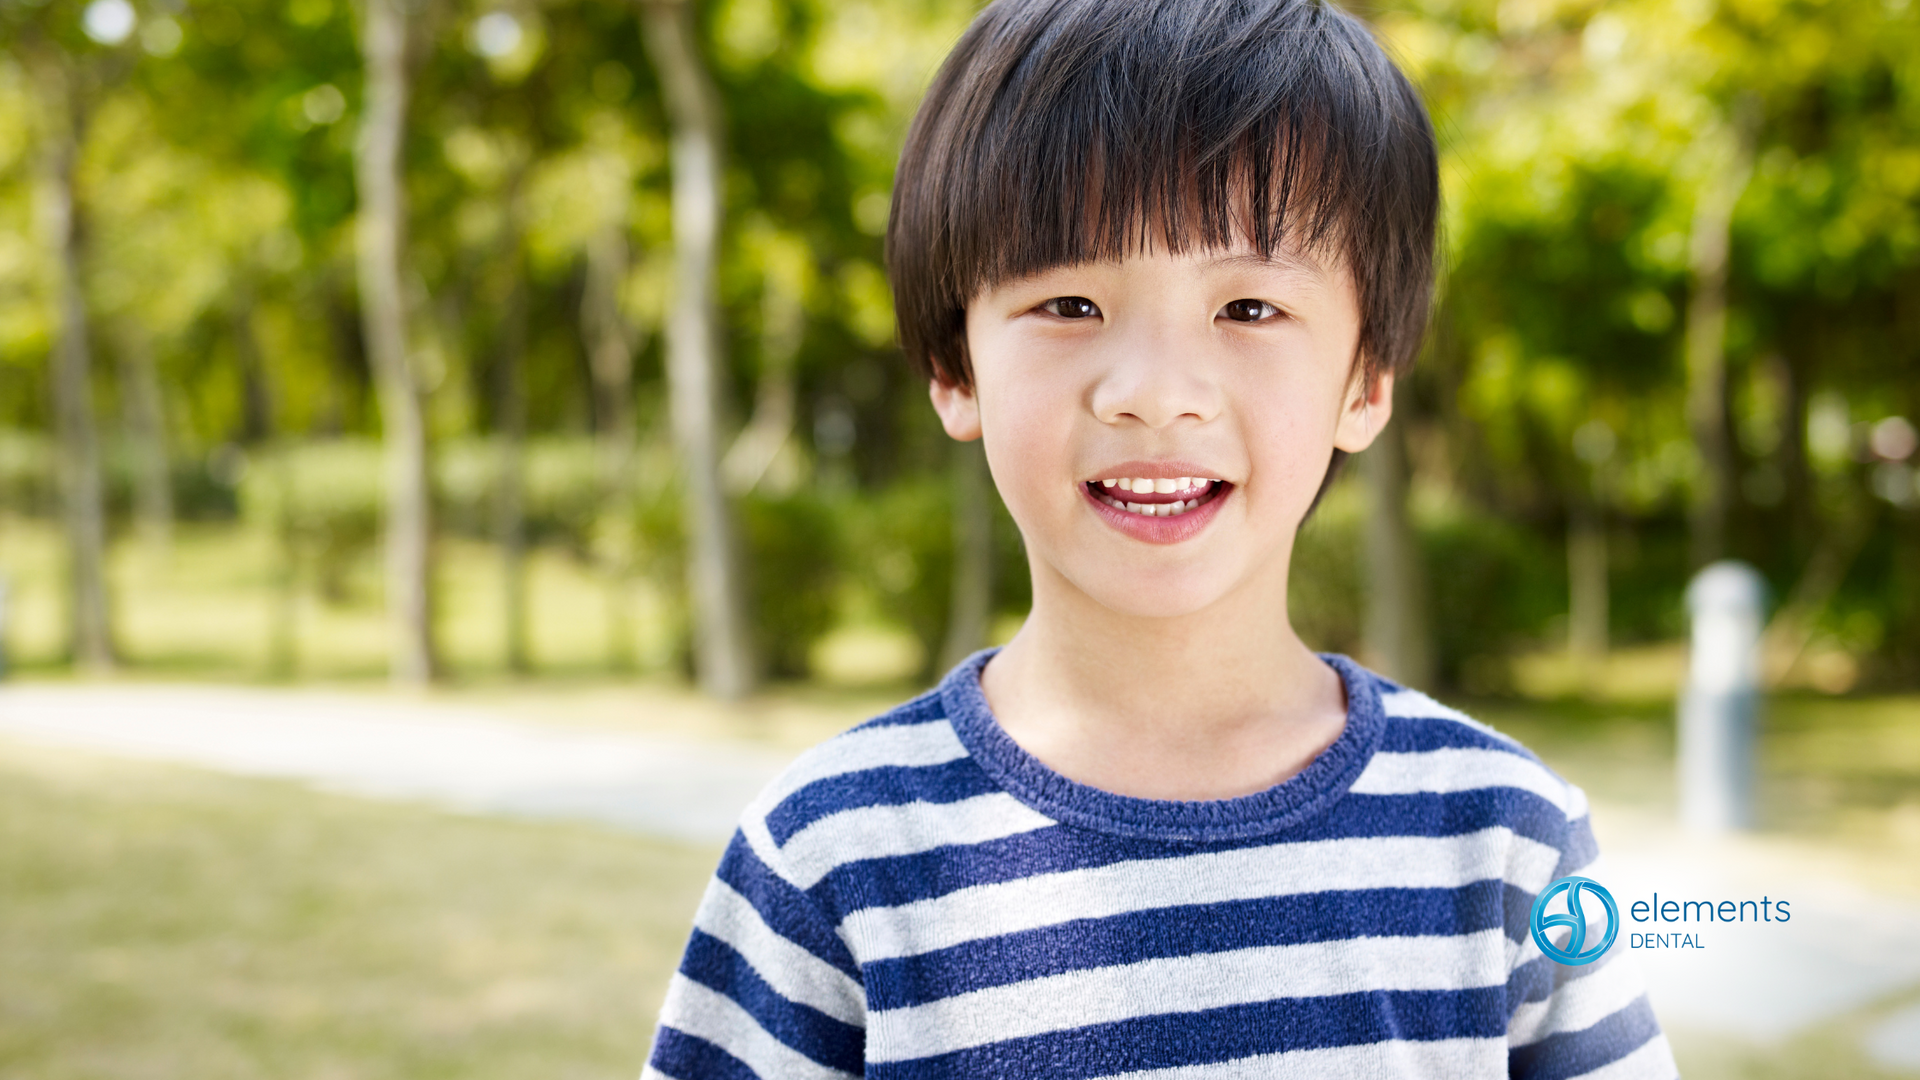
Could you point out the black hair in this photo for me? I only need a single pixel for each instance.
(1066, 131)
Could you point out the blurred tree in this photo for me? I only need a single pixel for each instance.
(1683, 224)
(1397, 631)
(381, 245)
(723, 649)
(71, 73)
(970, 614)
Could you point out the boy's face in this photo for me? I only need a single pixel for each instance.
(1213, 365)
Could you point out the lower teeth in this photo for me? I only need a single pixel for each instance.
(1172, 509)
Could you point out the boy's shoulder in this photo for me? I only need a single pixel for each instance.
(1429, 746)
(898, 783)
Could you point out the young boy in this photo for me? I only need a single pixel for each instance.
(1166, 257)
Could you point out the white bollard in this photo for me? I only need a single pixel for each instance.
(1720, 707)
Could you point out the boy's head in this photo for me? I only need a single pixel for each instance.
(1184, 241)
(1065, 131)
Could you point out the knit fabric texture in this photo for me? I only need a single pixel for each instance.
(919, 897)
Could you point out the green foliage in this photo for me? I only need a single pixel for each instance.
(905, 538)
(26, 470)
(795, 562)
(1493, 585)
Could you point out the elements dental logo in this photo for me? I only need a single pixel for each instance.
(1574, 952)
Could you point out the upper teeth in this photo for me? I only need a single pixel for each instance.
(1162, 485)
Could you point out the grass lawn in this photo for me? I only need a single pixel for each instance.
(165, 922)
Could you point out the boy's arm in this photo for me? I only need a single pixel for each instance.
(766, 989)
(1586, 1021)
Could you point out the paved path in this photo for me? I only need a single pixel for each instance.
(1842, 950)
(370, 745)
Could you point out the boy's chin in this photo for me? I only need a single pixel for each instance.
(1183, 596)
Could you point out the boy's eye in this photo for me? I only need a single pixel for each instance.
(1249, 310)
(1071, 307)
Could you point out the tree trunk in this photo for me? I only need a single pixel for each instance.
(969, 618)
(1587, 614)
(1706, 340)
(509, 513)
(82, 500)
(275, 460)
(146, 423)
(783, 322)
(380, 240)
(723, 655)
(1396, 626)
(610, 346)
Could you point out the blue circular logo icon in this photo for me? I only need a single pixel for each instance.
(1575, 951)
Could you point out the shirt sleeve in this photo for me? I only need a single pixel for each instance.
(766, 988)
(1591, 1021)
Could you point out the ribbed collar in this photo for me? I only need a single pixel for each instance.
(1300, 797)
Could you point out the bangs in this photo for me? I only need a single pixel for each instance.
(1069, 131)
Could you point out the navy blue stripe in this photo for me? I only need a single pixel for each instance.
(890, 785)
(1417, 734)
(921, 710)
(689, 1057)
(1541, 978)
(1571, 1053)
(1518, 904)
(791, 913)
(901, 879)
(719, 966)
(1577, 846)
(1190, 930)
(1213, 1035)
(1433, 814)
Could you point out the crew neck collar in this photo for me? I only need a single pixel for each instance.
(1294, 800)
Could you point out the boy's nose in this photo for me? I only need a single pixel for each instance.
(1156, 381)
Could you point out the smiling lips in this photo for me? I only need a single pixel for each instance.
(1157, 497)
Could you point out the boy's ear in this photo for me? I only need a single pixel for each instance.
(1368, 407)
(959, 410)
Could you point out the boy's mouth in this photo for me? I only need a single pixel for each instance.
(1156, 497)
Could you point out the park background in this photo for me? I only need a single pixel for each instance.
(538, 357)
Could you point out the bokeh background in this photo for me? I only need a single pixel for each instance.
(536, 358)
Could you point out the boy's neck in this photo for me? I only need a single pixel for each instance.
(1218, 703)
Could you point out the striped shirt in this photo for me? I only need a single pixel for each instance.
(919, 897)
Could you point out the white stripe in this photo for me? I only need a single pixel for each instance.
(1452, 769)
(984, 911)
(874, 832)
(1414, 705)
(904, 745)
(1441, 1058)
(692, 1009)
(1577, 806)
(1184, 984)
(1653, 1061)
(1577, 1004)
(792, 971)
